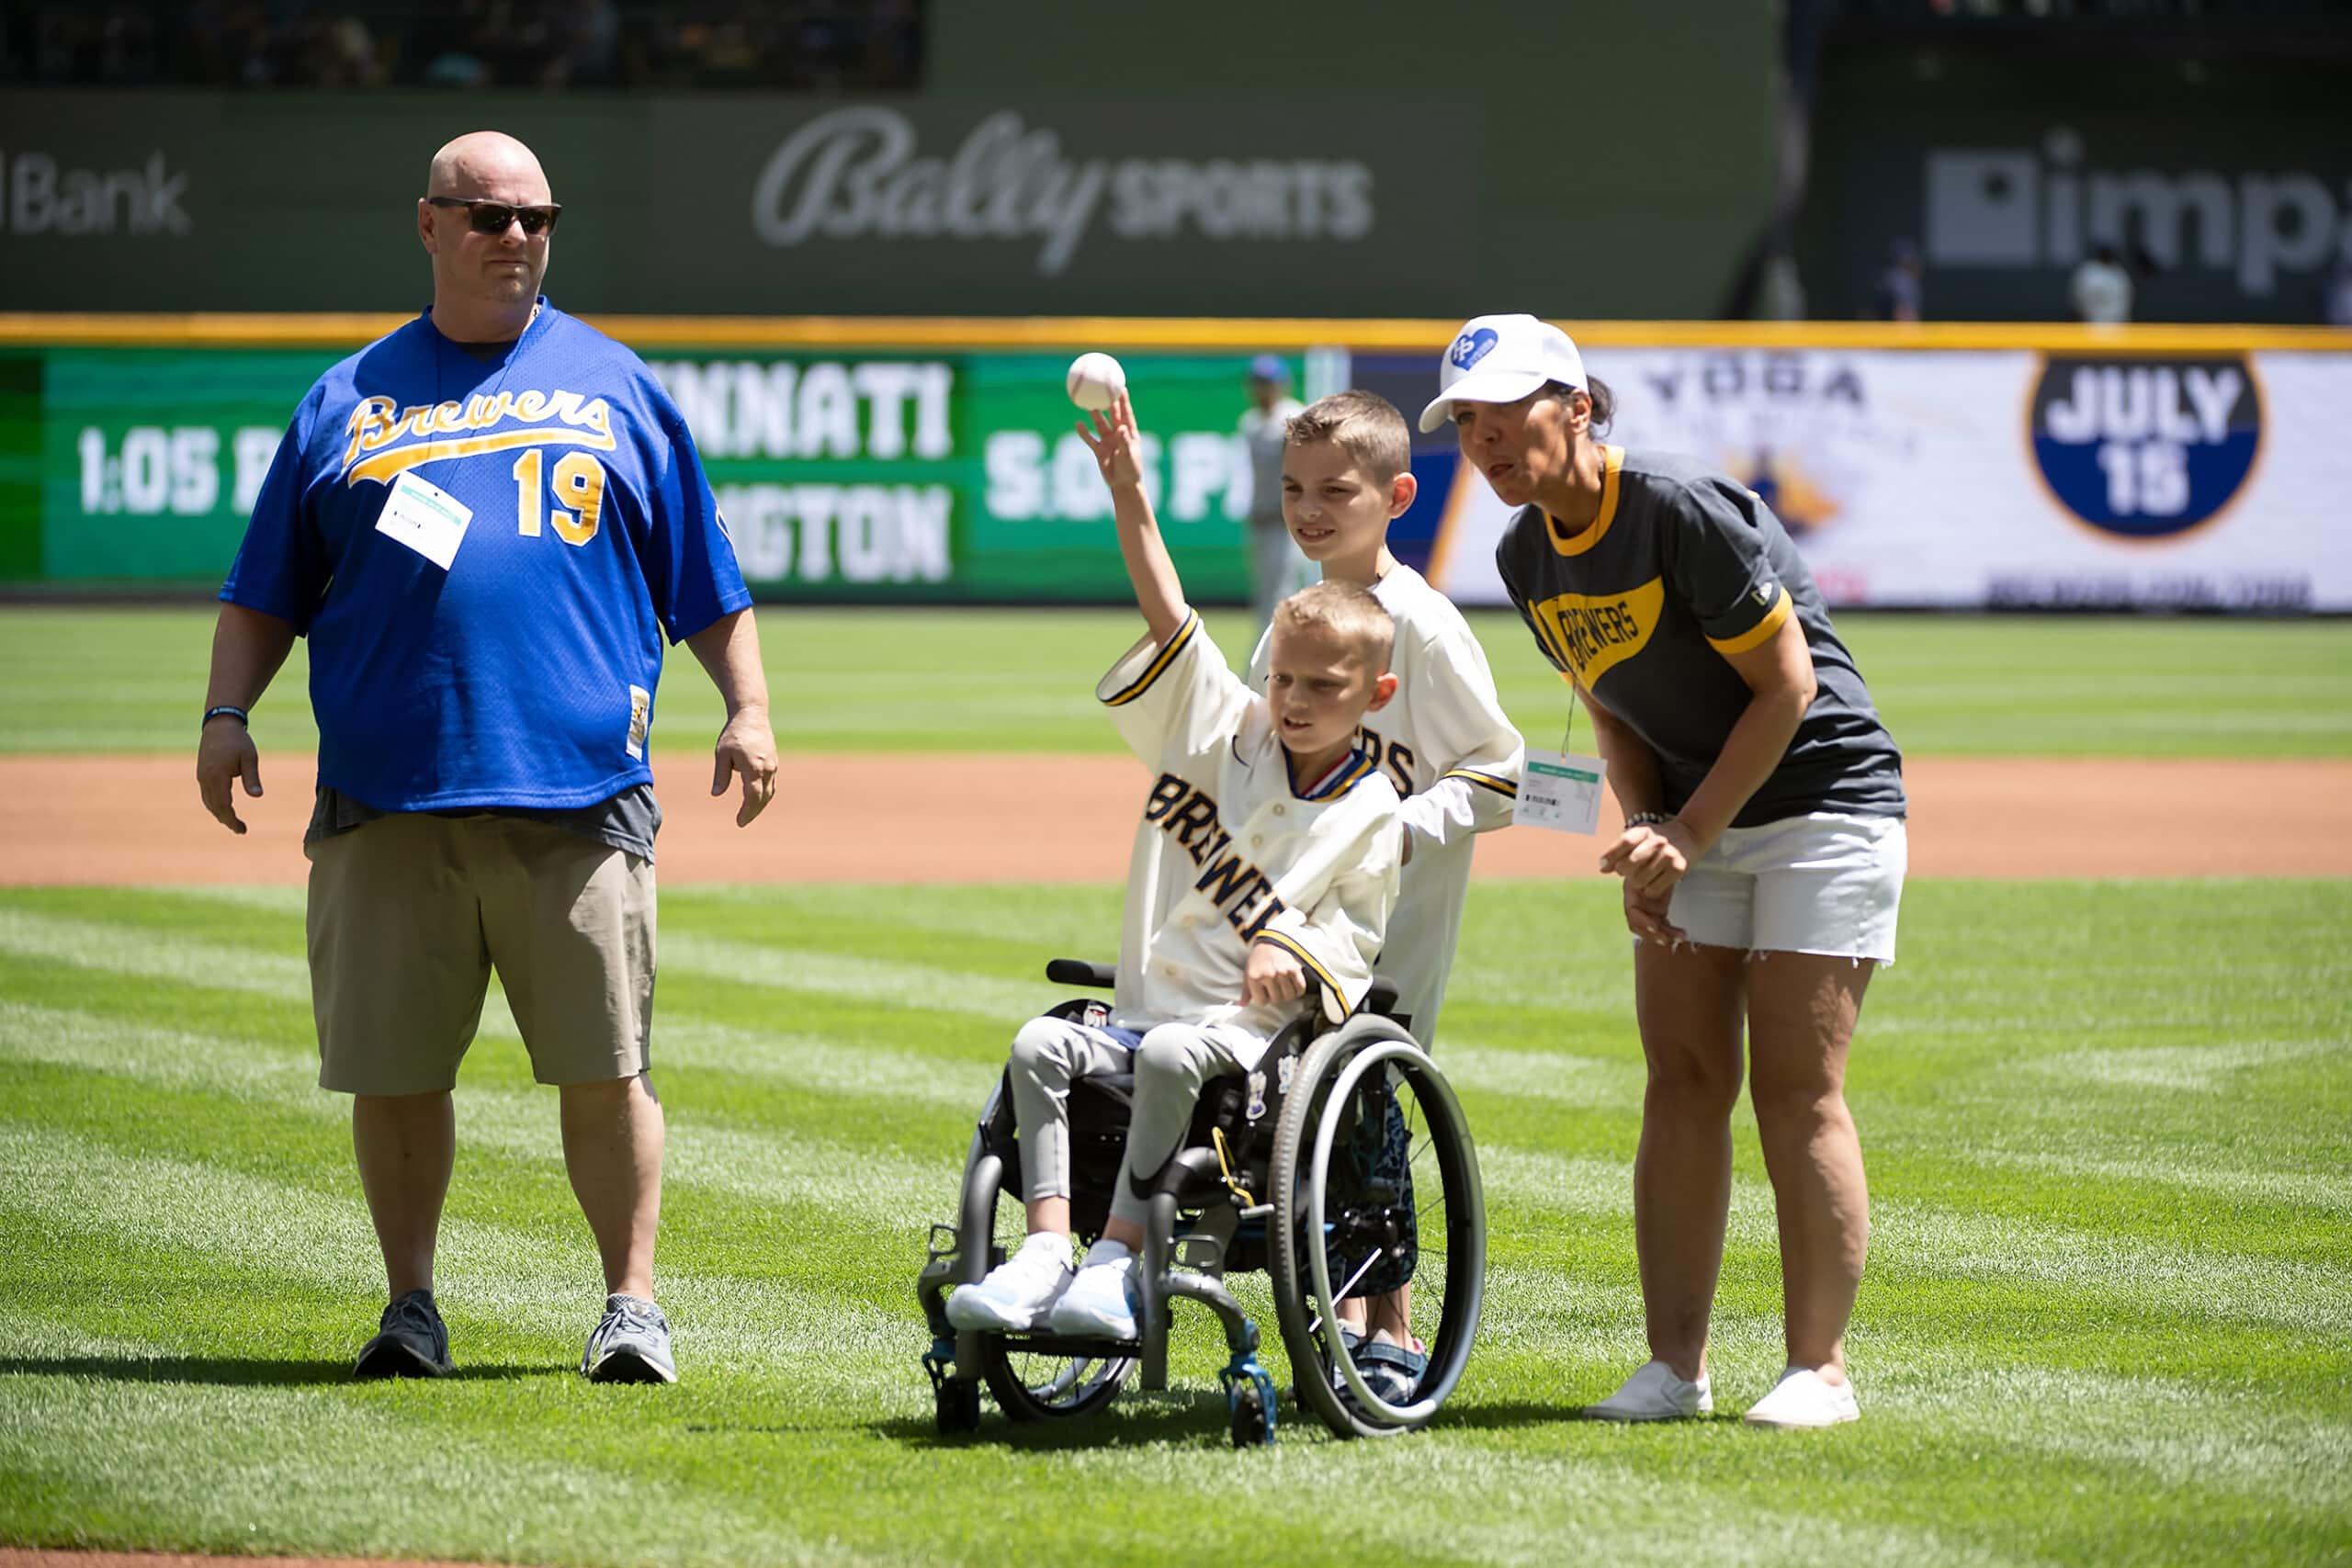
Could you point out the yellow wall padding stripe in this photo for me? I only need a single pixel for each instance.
(948, 333)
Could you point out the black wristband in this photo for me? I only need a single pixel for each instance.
(1649, 818)
(229, 710)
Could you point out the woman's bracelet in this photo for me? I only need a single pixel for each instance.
(1649, 818)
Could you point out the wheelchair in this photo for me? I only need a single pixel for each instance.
(1341, 1166)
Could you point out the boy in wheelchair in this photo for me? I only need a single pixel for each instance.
(1269, 851)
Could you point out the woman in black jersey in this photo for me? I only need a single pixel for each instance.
(1763, 852)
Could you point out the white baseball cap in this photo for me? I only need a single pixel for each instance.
(1500, 359)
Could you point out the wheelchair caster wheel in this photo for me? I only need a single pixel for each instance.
(958, 1408)
(1250, 1419)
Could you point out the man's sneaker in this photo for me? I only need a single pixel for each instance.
(1099, 1303)
(631, 1345)
(1804, 1398)
(1019, 1292)
(1656, 1393)
(411, 1342)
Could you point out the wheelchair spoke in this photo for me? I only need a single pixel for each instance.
(1344, 1290)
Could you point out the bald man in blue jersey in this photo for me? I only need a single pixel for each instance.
(487, 523)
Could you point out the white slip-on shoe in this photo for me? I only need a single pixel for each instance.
(1019, 1292)
(1804, 1398)
(1097, 1304)
(1656, 1393)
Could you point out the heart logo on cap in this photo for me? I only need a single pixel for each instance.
(1471, 347)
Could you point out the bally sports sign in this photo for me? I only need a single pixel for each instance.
(939, 206)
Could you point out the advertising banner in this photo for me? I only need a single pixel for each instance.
(2002, 478)
(902, 205)
(2194, 473)
(842, 476)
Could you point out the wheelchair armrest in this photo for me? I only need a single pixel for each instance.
(1079, 972)
(1381, 998)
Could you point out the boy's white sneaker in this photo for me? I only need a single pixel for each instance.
(1019, 1292)
(1655, 1393)
(1804, 1398)
(1098, 1303)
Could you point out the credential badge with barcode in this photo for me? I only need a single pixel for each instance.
(1560, 791)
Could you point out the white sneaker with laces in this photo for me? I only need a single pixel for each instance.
(1097, 1304)
(1019, 1292)
(1656, 1393)
(1804, 1398)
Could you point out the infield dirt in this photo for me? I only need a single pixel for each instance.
(910, 818)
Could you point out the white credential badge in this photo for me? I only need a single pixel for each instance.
(1560, 791)
(640, 717)
(425, 518)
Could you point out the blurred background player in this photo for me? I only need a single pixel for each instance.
(1275, 567)
(2100, 289)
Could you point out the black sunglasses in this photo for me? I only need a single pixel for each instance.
(492, 216)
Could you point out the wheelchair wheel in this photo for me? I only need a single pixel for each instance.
(1036, 1385)
(1376, 1183)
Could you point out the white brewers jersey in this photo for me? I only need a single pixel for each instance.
(1229, 853)
(1445, 744)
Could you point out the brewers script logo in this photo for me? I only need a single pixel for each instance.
(2146, 448)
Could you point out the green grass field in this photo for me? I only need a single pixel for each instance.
(2108, 1319)
(132, 680)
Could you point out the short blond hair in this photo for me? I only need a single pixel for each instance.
(1363, 425)
(1349, 614)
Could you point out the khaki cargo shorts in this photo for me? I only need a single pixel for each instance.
(409, 913)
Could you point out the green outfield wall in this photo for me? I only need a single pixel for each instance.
(1221, 159)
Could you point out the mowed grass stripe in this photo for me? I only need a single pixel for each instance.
(881, 1191)
(853, 1182)
(2023, 1391)
(403, 1478)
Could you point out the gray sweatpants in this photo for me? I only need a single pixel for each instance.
(1171, 1064)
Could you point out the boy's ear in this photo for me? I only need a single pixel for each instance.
(1401, 491)
(1384, 686)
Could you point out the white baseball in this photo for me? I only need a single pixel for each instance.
(1095, 381)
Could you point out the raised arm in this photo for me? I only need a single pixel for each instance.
(1118, 452)
(247, 649)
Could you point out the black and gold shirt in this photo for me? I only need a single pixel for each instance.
(1682, 567)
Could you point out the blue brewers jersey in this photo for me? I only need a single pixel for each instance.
(523, 674)
(1231, 851)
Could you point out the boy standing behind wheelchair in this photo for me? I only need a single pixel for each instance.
(1268, 853)
(1445, 742)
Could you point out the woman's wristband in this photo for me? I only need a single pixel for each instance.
(228, 710)
(1649, 818)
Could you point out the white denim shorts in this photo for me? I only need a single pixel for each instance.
(1820, 884)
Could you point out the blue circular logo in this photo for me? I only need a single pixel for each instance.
(2146, 448)
(1471, 347)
